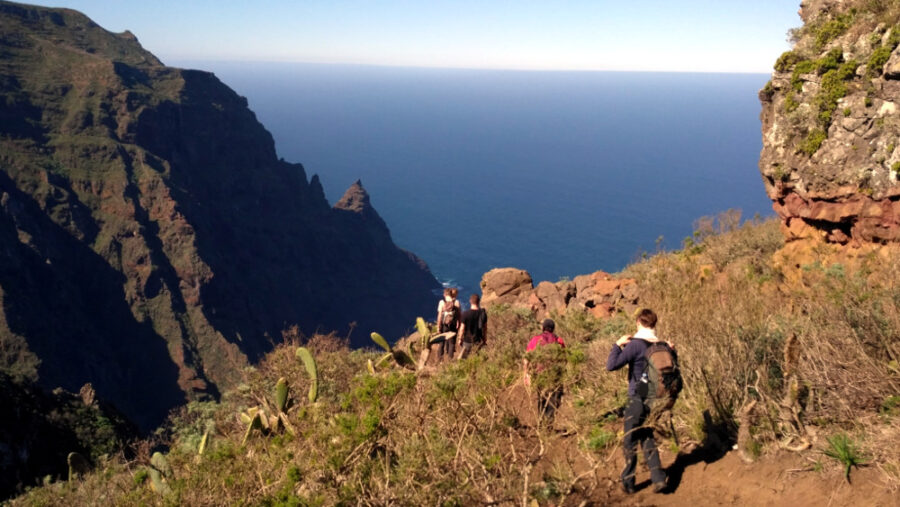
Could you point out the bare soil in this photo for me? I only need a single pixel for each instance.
(782, 479)
(704, 476)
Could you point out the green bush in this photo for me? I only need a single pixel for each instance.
(832, 29)
(790, 103)
(804, 67)
(830, 61)
(877, 60)
(787, 60)
(813, 141)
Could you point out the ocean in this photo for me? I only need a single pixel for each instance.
(557, 173)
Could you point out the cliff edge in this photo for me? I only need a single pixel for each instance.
(153, 242)
(831, 124)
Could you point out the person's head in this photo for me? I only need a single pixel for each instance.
(447, 293)
(453, 292)
(474, 300)
(647, 318)
(548, 326)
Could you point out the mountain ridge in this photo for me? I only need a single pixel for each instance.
(135, 199)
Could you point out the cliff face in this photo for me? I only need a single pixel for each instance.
(152, 241)
(831, 124)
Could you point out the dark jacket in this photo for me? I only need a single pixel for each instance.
(634, 356)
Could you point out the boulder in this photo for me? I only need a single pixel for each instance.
(892, 67)
(550, 296)
(505, 285)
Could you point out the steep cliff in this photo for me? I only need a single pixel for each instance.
(152, 241)
(831, 124)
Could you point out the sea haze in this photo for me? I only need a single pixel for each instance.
(558, 173)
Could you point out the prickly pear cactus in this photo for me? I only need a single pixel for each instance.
(158, 482)
(312, 370)
(377, 338)
(253, 419)
(281, 394)
(424, 332)
(159, 462)
(203, 442)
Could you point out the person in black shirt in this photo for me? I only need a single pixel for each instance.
(473, 327)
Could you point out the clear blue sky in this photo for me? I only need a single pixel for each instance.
(644, 35)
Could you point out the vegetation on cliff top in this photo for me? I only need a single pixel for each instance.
(776, 355)
(820, 46)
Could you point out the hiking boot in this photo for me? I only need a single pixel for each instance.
(628, 488)
(659, 487)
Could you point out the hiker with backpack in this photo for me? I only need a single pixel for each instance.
(543, 366)
(448, 312)
(472, 328)
(653, 385)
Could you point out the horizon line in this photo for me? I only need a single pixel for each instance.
(460, 68)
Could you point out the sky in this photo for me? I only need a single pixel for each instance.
(621, 35)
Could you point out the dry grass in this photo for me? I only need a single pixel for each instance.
(813, 348)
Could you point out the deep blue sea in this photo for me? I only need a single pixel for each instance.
(558, 173)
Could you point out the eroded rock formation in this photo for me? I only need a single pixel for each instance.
(599, 293)
(831, 124)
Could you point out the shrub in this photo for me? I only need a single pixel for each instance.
(787, 60)
(877, 60)
(830, 61)
(804, 67)
(832, 29)
(790, 103)
(813, 141)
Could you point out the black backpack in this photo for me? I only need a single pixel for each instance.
(663, 377)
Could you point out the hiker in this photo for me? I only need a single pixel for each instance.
(472, 328)
(631, 350)
(448, 319)
(549, 390)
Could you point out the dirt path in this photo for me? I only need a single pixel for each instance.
(784, 479)
(705, 478)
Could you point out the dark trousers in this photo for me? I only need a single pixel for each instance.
(635, 414)
(548, 402)
(449, 347)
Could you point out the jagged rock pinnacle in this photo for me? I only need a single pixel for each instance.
(356, 200)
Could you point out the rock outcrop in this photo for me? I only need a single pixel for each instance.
(599, 293)
(152, 241)
(831, 125)
(39, 429)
